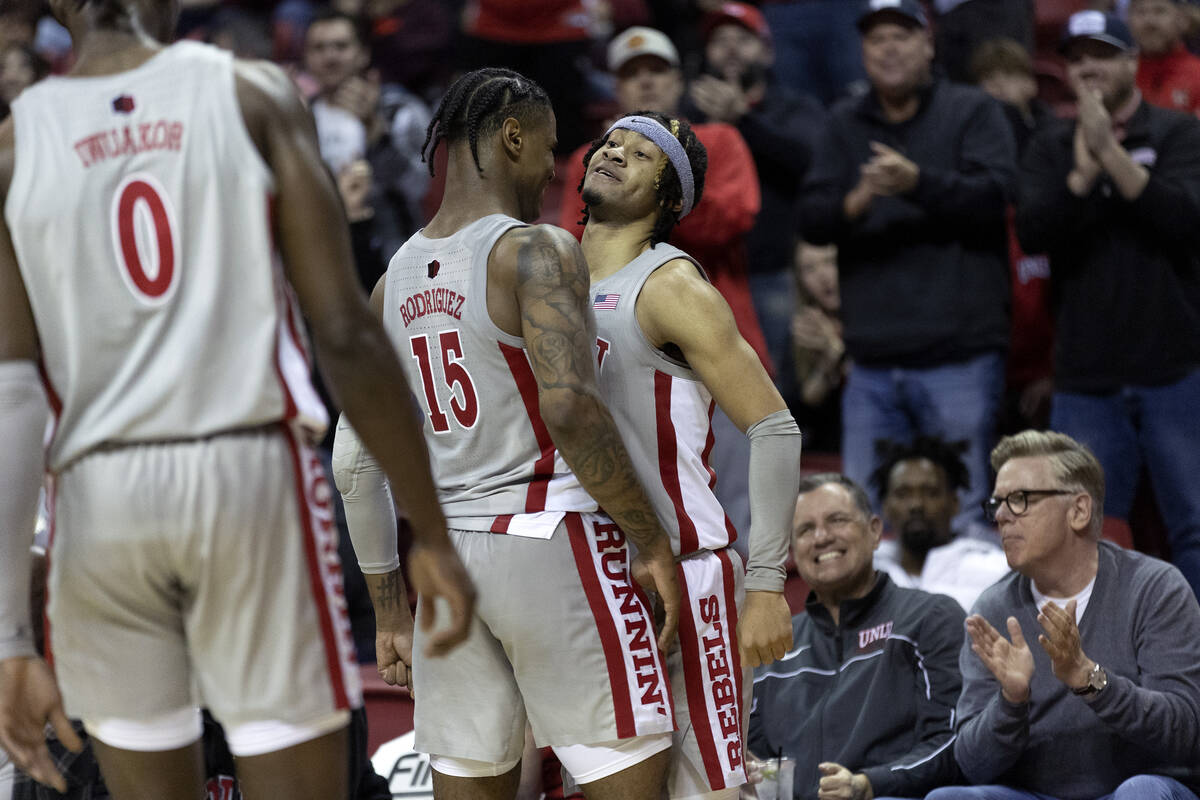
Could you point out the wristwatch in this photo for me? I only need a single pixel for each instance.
(1096, 681)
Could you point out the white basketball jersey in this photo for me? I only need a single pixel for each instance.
(140, 210)
(491, 453)
(663, 410)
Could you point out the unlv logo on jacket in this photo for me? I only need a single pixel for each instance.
(869, 636)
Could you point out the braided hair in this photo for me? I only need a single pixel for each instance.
(477, 104)
(666, 181)
(946, 455)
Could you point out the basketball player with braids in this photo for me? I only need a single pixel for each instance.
(165, 207)
(669, 351)
(492, 318)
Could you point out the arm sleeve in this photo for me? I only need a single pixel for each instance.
(23, 414)
(992, 732)
(370, 513)
(1168, 209)
(937, 684)
(774, 483)
(730, 200)
(1161, 713)
(977, 191)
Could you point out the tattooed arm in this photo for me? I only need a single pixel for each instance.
(551, 285)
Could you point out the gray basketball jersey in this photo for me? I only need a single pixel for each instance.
(140, 214)
(491, 453)
(662, 408)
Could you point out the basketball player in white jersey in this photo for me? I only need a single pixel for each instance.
(194, 555)
(669, 351)
(493, 323)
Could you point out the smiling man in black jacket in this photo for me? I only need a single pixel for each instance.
(911, 181)
(1114, 199)
(864, 703)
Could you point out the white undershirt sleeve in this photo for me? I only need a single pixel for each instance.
(774, 485)
(367, 498)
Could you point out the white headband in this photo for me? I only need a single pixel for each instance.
(656, 132)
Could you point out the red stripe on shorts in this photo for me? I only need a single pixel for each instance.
(316, 580)
(693, 681)
(614, 651)
(500, 523)
(668, 465)
(543, 468)
(730, 583)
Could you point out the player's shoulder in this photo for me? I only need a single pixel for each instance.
(523, 242)
(679, 283)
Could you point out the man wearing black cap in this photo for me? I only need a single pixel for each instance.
(911, 181)
(1114, 199)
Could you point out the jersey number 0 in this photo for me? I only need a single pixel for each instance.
(144, 232)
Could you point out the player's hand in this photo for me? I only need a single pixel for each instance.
(29, 699)
(655, 570)
(1010, 662)
(764, 628)
(839, 783)
(436, 571)
(393, 656)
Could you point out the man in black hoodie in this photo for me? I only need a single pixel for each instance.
(911, 181)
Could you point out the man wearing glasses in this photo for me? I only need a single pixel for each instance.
(1106, 702)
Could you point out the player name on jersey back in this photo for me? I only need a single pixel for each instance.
(144, 137)
(431, 301)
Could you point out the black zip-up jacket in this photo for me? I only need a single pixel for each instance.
(1125, 275)
(924, 276)
(875, 693)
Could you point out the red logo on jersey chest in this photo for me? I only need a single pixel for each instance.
(123, 104)
(433, 267)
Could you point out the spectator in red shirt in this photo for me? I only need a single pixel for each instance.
(1168, 75)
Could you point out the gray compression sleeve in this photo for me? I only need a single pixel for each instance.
(367, 498)
(23, 414)
(774, 484)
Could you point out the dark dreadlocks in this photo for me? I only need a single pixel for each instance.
(670, 191)
(477, 104)
(947, 455)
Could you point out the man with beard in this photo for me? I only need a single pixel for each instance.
(1113, 198)
(918, 482)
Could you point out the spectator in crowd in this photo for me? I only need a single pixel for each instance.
(18, 23)
(962, 25)
(911, 182)
(20, 66)
(1114, 199)
(1167, 74)
(819, 349)
(410, 42)
(1049, 720)
(918, 481)
(816, 51)
(780, 128)
(864, 704)
(547, 41)
(646, 65)
(1003, 69)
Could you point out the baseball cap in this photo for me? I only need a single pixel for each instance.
(640, 41)
(904, 8)
(742, 14)
(1098, 26)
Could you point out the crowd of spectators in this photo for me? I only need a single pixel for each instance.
(936, 222)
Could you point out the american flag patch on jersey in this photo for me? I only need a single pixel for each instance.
(605, 302)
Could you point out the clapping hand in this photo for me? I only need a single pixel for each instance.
(1061, 642)
(1011, 662)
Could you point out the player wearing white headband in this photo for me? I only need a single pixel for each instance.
(670, 351)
